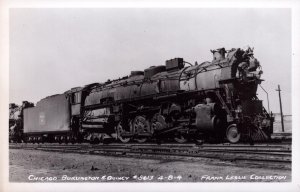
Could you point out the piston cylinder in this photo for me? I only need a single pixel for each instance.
(207, 119)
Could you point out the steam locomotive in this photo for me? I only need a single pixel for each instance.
(178, 101)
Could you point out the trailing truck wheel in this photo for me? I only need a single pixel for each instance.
(199, 139)
(141, 125)
(121, 130)
(232, 134)
(158, 122)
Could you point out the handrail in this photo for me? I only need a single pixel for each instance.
(267, 97)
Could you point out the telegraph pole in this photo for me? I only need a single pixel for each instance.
(282, 124)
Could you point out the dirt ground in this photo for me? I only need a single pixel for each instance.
(41, 166)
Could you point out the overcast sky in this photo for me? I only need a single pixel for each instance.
(53, 50)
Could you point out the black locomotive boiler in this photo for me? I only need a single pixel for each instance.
(214, 100)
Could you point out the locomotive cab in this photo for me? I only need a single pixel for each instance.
(75, 100)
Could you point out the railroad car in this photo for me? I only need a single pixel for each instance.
(16, 120)
(49, 120)
(209, 101)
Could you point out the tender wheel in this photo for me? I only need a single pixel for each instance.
(73, 139)
(232, 134)
(199, 139)
(95, 141)
(141, 126)
(67, 139)
(141, 140)
(180, 139)
(121, 130)
(60, 139)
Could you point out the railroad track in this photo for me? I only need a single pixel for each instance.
(261, 155)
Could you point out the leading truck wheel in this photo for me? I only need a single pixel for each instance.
(232, 134)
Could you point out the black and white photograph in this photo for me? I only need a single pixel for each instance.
(150, 95)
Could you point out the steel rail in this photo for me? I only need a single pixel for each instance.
(257, 156)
